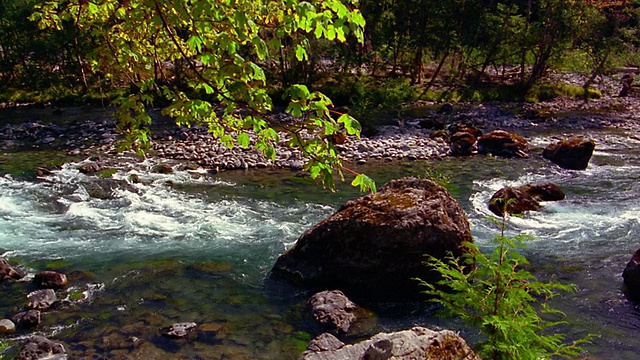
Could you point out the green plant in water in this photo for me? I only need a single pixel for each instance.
(506, 302)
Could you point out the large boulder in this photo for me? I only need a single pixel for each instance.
(502, 143)
(631, 276)
(375, 245)
(462, 144)
(544, 191)
(416, 343)
(573, 153)
(50, 280)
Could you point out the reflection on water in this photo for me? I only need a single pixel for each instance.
(197, 247)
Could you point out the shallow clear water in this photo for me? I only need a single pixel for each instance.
(197, 247)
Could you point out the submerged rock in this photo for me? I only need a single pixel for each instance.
(333, 309)
(41, 299)
(179, 330)
(7, 326)
(573, 153)
(28, 318)
(7, 271)
(375, 245)
(40, 347)
(416, 343)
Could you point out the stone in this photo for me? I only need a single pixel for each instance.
(324, 342)
(544, 191)
(162, 169)
(375, 245)
(179, 330)
(503, 143)
(631, 277)
(516, 200)
(7, 271)
(333, 310)
(26, 319)
(416, 343)
(50, 280)
(39, 347)
(462, 143)
(573, 153)
(89, 168)
(41, 299)
(7, 326)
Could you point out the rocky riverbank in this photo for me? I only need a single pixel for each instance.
(81, 132)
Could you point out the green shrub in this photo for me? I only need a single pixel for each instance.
(507, 303)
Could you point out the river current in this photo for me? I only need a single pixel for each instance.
(191, 246)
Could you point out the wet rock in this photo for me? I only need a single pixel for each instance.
(573, 153)
(466, 128)
(50, 280)
(462, 143)
(162, 169)
(40, 347)
(416, 343)
(544, 191)
(7, 271)
(631, 277)
(179, 330)
(502, 143)
(7, 326)
(26, 319)
(323, 343)
(42, 172)
(513, 201)
(41, 299)
(89, 168)
(333, 309)
(375, 245)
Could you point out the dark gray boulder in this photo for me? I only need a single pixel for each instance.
(573, 153)
(375, 245)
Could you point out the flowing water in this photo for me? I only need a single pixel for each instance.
(197, 247)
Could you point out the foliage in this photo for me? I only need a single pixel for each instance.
(3, 347)
(207, 59)
(506, 302)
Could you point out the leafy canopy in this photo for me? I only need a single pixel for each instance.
(222, 48)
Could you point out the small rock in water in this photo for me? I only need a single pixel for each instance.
(27, 319)
(7, 271)
(50, 280)
(179, 330)
(42, 348)
(7, 326)
(41, 299)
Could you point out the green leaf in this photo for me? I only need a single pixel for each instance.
(244, 140)
(365, 183)
(352, 125)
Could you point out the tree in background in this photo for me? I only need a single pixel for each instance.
(207, 59)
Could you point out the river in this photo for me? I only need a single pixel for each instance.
(192, 246)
